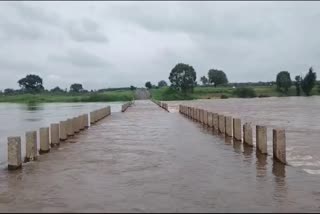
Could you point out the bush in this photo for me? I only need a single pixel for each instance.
(245, 92)
(223, 96)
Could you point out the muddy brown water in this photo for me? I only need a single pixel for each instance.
(299, 116)
(149, 160)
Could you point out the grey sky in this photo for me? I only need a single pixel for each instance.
(118, 44)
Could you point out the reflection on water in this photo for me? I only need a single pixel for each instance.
(299, 116)
(32, 107)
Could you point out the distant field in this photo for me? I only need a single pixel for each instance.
(211, 92)
(121, 95)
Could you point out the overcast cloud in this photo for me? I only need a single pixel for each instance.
(118, 44)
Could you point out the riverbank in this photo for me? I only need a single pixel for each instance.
(111, 96)
(210, 92)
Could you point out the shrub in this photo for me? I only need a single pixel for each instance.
(245, 92)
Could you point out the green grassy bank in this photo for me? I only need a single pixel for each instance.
(211, 92)
(125, 95)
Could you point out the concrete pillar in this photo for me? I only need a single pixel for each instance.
(14, 153)
(193, 113)
(180, 106)
(91, 117)
(86, 120)
(75, 124)
(279, 145)
(55, 135)
(237, 134)
(70, 131)
(44, 140)
(229, 126)
(247, 134)
(109, 110)
(205, 117)
(201, 115)
(215, 118)
(261, 139)
(81, 121)
(210, 119)
(31, 146)
(222, 123)
(63, 130)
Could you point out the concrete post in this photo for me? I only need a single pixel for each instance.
(44, 140)
(75, 125)
(229, 126)
(180, 108)
(81, 121)
(279, 145)
(14, 153)
(222, 123)
(54, 133)
(63, 130)
(237, 134)
(261, 139)
(86, 120)
(205, 117)
(215, 118)
(70, 131)
(247, 134)
(210, 121)
(31, 146)
(201, 115)
(91, 117)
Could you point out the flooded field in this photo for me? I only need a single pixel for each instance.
(299, 116)
(149, 160)
(16, 119)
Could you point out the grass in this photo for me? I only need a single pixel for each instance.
(210, 92)
(125, 95)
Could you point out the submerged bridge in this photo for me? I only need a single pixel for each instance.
(150, 160)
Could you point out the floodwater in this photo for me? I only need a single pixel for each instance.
(16, 119)
(299, 116)
(149, 160)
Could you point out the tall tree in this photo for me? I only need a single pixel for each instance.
(162, 83)
(204, 80)
(76, 87)
(148, 85)
(283, 81)
(57, 90)
(183, 77)
(308, 81)
(298, 84)
(31, 83)
(217, 77)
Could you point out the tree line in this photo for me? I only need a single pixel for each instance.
(306, 83)
(183, 78)
(32, 83)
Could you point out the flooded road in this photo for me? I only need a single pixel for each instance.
(16, 119)
(299, 116)
(149, 160)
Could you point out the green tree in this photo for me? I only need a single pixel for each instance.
(204, 80)
(31, 83)
(162, 83)
(298, 84)
(132, 88)
(148, 85)
(308, 81)
(183, 77)
(283, 81)
(57, 90)
(76, 88)
(217, 77)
